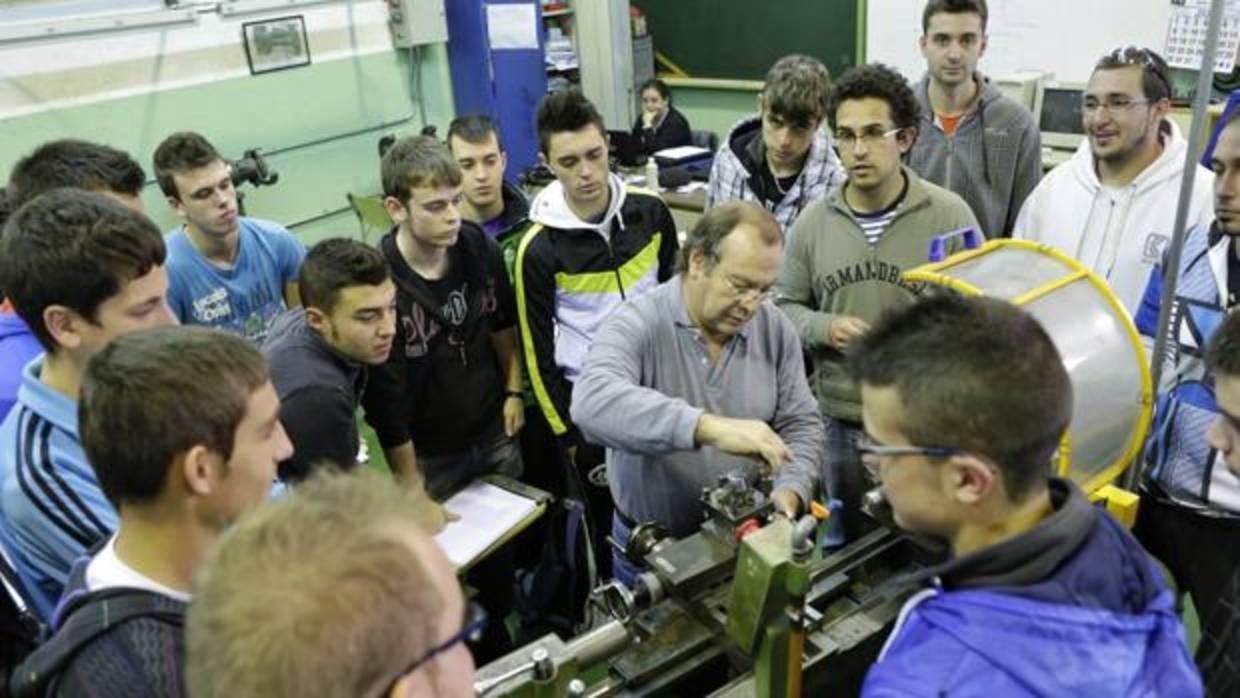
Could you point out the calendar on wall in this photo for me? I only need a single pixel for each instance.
(1186, 35)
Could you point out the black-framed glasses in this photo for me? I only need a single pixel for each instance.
(867, 447)
(471, 629)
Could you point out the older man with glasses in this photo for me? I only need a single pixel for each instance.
(965, 401)
(1112, 206)
(701, 378)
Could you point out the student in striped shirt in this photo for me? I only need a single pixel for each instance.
(80, 269)
(846, 253)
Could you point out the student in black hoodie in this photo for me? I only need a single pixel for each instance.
(452, 383)
(182, 448)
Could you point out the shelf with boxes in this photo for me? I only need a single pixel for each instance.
(560, 50)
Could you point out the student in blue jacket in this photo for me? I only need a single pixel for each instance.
(964, 401)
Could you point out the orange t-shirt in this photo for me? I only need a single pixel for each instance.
(949, 123)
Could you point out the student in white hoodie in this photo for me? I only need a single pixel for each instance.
(1112, 206)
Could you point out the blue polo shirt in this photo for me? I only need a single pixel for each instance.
(52, 509)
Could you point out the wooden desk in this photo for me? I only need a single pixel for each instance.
(686, 208)
(693, 202)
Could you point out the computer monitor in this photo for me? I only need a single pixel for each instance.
(1059, 115)
(1024, 87)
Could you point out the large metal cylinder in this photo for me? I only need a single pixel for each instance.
(1094, 334)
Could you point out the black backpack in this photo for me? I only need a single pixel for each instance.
(555, 591)
(82, 619)
(20, 627)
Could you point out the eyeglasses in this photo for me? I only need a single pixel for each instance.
(869, 137)
(1135, 55)
(1111, 105)
(746, 293)
(871, 452)
(471, 629)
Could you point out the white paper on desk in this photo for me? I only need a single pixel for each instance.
(681, 152)
(512, 26)
(487, 513)
(692, 187)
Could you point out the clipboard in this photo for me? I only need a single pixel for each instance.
(493, 510)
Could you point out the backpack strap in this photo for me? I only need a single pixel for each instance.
(87, 616)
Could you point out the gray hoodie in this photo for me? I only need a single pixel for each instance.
(993, 160)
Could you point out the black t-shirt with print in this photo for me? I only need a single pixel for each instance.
(443, 385)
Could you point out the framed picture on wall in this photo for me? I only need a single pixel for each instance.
(276, 44)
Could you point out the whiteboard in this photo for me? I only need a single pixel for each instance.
(1065, 37)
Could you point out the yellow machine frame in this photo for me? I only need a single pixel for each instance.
(1121, 503)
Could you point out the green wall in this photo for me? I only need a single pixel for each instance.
(276, 112)
(715, 109)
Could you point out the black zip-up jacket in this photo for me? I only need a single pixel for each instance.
(443, 387)
(571, 274)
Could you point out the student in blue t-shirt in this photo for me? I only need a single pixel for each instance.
(80, 269)
(224, 270)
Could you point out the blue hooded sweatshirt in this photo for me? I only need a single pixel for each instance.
(1073, 607)
(17, 347)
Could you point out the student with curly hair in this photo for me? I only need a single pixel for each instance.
(846, 252)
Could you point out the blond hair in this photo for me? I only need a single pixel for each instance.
(319, 593)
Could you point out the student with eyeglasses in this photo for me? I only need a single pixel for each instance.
(964, 401)
(335, 589)
(846, 253)
(1112, 206)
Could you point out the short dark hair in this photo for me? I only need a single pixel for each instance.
(880, 82)
(1155, 75)
(718, 222)
(796, 89)
(335, 264)
(474, 128)
(177, 387)
(420, 161)
(73, 163)
(181, 152)
(658, 86)
(974, 373)
(953, 7)
(566, 110)
(74, 248)
(1223, 354)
